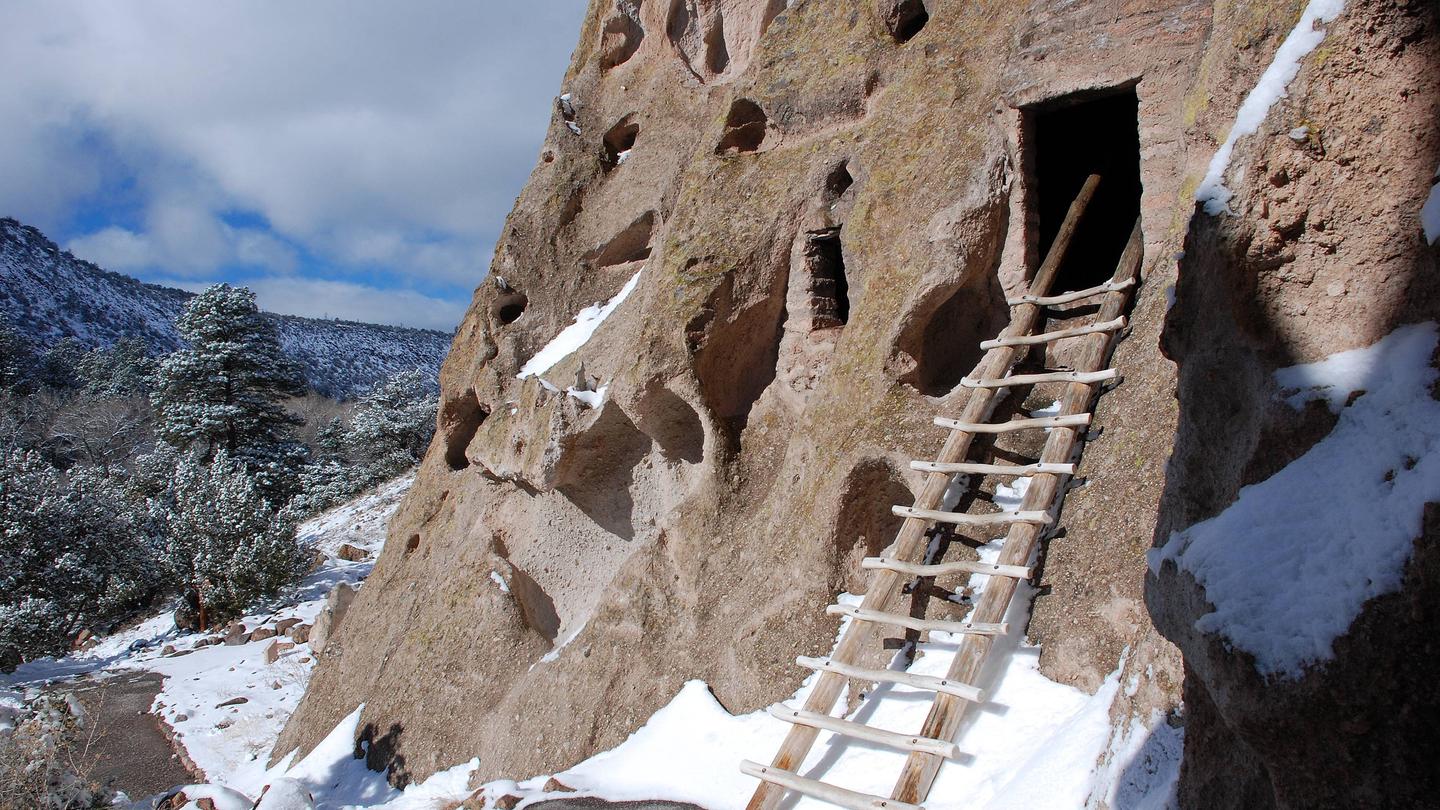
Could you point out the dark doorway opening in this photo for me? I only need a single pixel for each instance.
(829, 289)
(1073, 138)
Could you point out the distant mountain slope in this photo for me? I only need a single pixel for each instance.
(48, 295)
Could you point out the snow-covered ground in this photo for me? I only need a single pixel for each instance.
(1033, 743)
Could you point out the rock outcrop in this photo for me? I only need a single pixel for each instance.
(826, 208)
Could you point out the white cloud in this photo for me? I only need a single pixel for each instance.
(416, 123)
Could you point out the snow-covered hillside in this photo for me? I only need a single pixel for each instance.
(48, 294)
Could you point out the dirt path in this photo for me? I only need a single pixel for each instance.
(129, 748)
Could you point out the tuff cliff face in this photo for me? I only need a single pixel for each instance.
(826, 207)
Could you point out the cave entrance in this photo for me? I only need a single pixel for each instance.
(1070, 139)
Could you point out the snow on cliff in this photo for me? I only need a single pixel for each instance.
(47, 294)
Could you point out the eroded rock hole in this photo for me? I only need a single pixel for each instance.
(837, 182)
(905, 18)
(717, 56)
(619, 140)
(630, 245)
(412, 544)
(673, 424)
(509, 307)
(537, 609)
(460, 417)
(621, 37)
(597, 468)
(744, 128)
(1074, 138)
(825, 274)
(944, 337)
(865, 524)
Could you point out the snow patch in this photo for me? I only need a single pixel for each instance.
(572, 337)
(1271, 88)
(1292, 562)
(499, 581)
(1430, 212)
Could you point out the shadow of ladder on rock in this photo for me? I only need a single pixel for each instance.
(904, 561)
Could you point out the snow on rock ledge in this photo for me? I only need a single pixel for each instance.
(1291, 563)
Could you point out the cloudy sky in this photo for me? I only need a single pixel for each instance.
(340, 158)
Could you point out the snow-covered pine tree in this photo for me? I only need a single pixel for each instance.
(223, 391)
(73, 554)
(225, 544)
(392, 425)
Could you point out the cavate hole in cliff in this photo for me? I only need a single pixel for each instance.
(837, 182)
(597, 467)
(537, 609)
(698, 33)
(460, 417)
(905, 18)
(412, 544)
(825, 274)
(739, 346)
(630, 245)
(509, 307)
(864, 526)
(619, 140)
(1074, 138)
(668, 419)
(744, 128)
(945, 332)
(621, 37)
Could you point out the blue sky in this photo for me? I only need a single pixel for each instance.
(347, 159)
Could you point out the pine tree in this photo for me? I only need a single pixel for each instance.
(73, 554)
(224, 390)
(392, 425)
(225, 545)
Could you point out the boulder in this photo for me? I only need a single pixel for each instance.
(235, 634)
(283, 626)
(300, 633)
(272, 652)
(337, 603)
(262, 633)
(351, 553)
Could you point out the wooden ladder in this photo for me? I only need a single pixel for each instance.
(904, 560)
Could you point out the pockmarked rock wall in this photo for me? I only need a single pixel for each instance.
(563, 564)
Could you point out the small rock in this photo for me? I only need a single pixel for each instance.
(351, 553)
(507, 802)
(235, 701)
(262, 633)
(553, 785)
(206, 803)
(168, 649)
(300, 633)
(283, 626)
(180, 718)
(224, 724)
(272, 653)
(305, 660)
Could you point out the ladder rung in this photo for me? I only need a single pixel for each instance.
(962, 519)
(912, 623)
(941, 569)
(964, 691)
(1048, 337)
(1071, 420)
(860, 731)
(972, 468)
(1065, 298)
(838, 796)
(1086, 377)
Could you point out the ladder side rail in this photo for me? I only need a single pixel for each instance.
(885, 585)
(946, 712)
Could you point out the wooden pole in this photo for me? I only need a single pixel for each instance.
(945, 714)
(885, 585)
